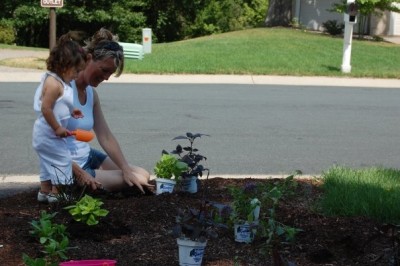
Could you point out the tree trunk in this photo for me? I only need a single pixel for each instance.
(279, 13)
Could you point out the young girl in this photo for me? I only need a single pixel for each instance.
(53, 104)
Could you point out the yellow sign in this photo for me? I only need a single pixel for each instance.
(51, 3)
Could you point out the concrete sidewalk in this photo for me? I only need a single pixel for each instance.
(15, 75)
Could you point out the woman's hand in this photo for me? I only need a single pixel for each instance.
(138, 180)
(83, 178)
(89, 181)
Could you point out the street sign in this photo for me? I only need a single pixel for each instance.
(51, 3)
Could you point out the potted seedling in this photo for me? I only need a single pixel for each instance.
(245, 212)
(167, 169)
(193, 228)
(191, 156)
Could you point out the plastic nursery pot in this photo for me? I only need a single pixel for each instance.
(89, 263)
(190, 252)
(189, 184)
(164, 185)
(244, 233)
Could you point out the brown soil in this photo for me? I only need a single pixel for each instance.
(136, 231)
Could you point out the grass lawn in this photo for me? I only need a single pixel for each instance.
(264, 51)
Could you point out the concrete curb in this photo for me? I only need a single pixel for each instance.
(34, 76)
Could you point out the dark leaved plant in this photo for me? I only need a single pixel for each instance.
(190, 155)
(198, 224)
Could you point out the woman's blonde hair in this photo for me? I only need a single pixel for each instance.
(102, 45)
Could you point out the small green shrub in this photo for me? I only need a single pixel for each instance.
(7, 34)
(54, 239)
(87, 210)
(333, 27)
(169, 166)
(244, 203)
(377, 38)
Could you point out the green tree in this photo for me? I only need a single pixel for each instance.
(170, 20)
(7, 34)
(124, 18)
(31, 25)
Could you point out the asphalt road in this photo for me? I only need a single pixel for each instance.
(255, 129)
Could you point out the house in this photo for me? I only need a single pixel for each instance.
(313, 13)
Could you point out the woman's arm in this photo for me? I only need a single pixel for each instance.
(84, 178)
(110, 144)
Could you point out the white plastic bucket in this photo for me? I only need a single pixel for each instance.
(244, 233)
(164, 185)
(190, 252)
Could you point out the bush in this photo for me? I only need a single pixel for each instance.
(7, 34)
(333, 27)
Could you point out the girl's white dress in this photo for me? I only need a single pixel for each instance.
(54, 157)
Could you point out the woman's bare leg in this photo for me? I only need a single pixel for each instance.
(111, 177)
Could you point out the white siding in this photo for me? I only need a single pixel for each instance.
(314, 12)
(394, 27)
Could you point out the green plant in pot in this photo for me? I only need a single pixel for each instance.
(167, 168)
(245, 212)
(191, 156)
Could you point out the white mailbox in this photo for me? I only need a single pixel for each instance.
(146, 35)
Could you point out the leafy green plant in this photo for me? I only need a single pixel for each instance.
(7, 34)
(87, 210)
(169, 166)
(244, 203)
(35, 261)
(54, 239)
(269, 228)
(71, 191)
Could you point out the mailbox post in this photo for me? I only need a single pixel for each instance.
(52, 4)
(350, 18)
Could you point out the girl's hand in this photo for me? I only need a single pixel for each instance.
(62, 132)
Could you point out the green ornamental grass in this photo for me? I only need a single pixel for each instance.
(370, 192)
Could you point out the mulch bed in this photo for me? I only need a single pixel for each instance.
(135, 232)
